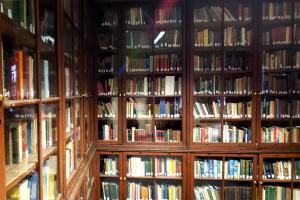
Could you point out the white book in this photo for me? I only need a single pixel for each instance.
(170, 85)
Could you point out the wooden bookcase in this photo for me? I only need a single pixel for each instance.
(34, 53)
(236, 78)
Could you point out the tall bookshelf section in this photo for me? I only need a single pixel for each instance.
(73, 108)
(109, 75)
(221, 69)
(155, 73)
(279, 94)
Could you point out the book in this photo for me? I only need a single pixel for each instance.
(107, 87)
(139, 166)
(207, 192)
(277, 11)
(70, 159)
(239, 192)
(108, 131)
(107, 41)
(110, 190)
(168, 108)
(168, 191)
(207, 85)
(241, 85)
(281, 35)
(137, 16)
(107, 64)
(49, 130)
(168, 166)
(109, 18)
(276, 192)
(139, 190)
(108, 109)
(275, 109)
(138, 108)
(45, 79)
(167, 63)
(206, 110)
(295, 134)
(237, 36)
(280, 170)
(238, 169)
(167, 15)
(275, 134)
(169, 39)
(207, 38)
(206, 134)
(139, 86)
(208, 168)
(238, 110)
(138, 40)
(236, 62)
(109, 165)
(167, 136)
(139, 64)
(135, 134)
(233, 134)
(211, 62)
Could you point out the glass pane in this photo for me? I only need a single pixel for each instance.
(168, 166)
(19, 72)
(237, 190)
(77, 132)
(238, 169)
(168, 189)
(68, 59)
(21, 148)
(208, 168)
(50, 178)
(76, 64)
(109, 190)
(277, 169)
(108, 119)
(145, 186)
(48, 63)
(68, 7)
(70, 143)
(207, 187)
(139, 166)
(49, 126)
(109, 165)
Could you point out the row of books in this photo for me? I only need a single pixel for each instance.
(207, 38)
(233, 134)
(139, 86)
(109, 18)
(274, 84)
(275, 60)
(168, 39)
(21, 11)
(210, 62)
(108, 132)
(208, 168)
(18, 74)
(236, 62)
(240, 85)
(138, 190)
(239, 192)
(20, 140)
(107, 41)
(277, 192)
(296, 109)
(280, 170)
(160, 62)
(168, 15)
(238, 169)
(215, 192)
(107, 63)
(107, 86)
(297, 169)
(206, 110)
(110, 190)
(277, 36)
(49, 130)
(237, 36)
(167, 63)
(275, 134)
(238, 110)
(136, 64)
(277, 10)
(168, 166)
(168, 108)
(68, 119)
(71, 84)
(138, 40)
(138, 108)
(208, 192)
(50, 178)
(296, 134)
(209, 85)
(107, 110)
(278, 108)
(137, 16)
(109, 166)
(297, 10)
(164, 191)
(139, 166)
(146, 135)
(168, 85)
(26, 189)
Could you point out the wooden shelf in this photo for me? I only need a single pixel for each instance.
(17, 172)
(139, 177)
(208, 179)
(19, 103)
(276, 181)
(239, 180)
(108, 176)
(168, 177)
(48, 152)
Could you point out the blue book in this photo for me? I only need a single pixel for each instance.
(34, 188)
(29, 136)
(165, 192)
(211, 168)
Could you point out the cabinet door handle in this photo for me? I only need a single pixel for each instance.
(124, 179)
(120, 178)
